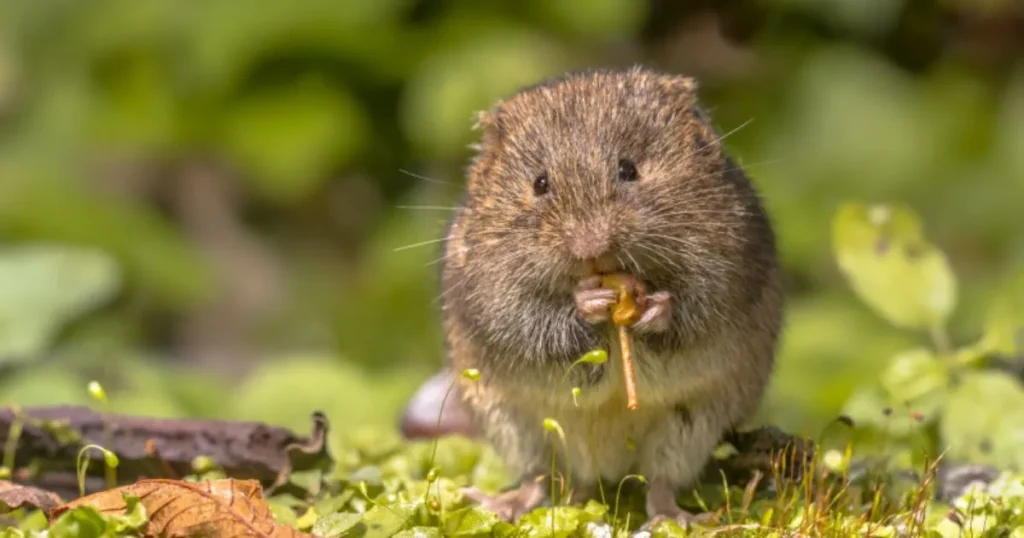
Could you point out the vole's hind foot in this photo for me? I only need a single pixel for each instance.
(594, 302)
(661, 506)
(510, 505)
(657, 315)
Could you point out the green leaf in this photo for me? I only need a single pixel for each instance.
(42, 287)
(420, 532)
(456, 455)
(1004, 326)
(339, 524)
(288, 139)
(470, 522)
(384, 520)
(669, 529)
(884, 255)
(52, 206)
(556, 522)
(984, 420)
(596, 19)
(134, 518)
(82, 522)
(918, 379)
(453, 84)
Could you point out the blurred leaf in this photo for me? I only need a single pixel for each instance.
(136, 108)
(383, 521)
(918, 379)
(339, 524)
(40, 385)
(559, 521)
(818, 368)
(422, 532)
(892, 267)
(1004, 325)
(42, 287)
(153, 254)
(984, 420)
(283, 392)
(455, 83)
(470, 522)
(595, 19)
(228, 39)
(288, 139)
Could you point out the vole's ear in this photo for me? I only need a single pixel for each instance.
(487, 122)
(681, 88)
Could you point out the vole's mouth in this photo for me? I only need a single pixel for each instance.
(606, 263)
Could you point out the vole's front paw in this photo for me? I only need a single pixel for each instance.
(683, 518)
(594, 302)
(657, 315)
(661, 506)
(512, 504)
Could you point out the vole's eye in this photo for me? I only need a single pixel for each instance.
(541, 185)
(627, 170)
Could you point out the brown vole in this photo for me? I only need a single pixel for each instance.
(618, 170)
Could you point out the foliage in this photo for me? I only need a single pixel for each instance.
(932, 405)
(235, 169)
(242, 165)
(942, 398)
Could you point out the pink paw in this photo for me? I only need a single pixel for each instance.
(594, 302)
(657, 316)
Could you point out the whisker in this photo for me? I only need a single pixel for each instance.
(425, 178)
(429, 207)
(421, 244)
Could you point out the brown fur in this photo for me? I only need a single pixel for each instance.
(691, 225)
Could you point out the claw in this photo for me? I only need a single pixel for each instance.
(657, 315)
(594, 302)
(661, 506)
(509, 505)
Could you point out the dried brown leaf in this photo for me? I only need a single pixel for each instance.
(226, 508)
(15, 496)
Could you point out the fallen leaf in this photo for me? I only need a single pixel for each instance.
(226, 507)
(15, 496)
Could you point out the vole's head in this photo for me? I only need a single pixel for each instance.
(617, 168)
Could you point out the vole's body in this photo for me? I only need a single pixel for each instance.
(618, 169)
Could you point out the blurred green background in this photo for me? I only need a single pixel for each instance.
(196, 195)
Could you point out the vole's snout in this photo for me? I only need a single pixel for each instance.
(589, 241)
(584, 246)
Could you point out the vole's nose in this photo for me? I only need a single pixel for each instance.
(589, 242)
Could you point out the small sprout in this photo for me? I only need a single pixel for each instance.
(594, 356)
(203, 464)
(363, 489)
(110, 459)
(724, 451)
(97, 392)
(471, 374)
(5, 472)
(835, 461)
(552, 425)
(576, 393)
(432, 476)
(879, 214)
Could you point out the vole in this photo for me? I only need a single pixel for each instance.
(613, 171)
